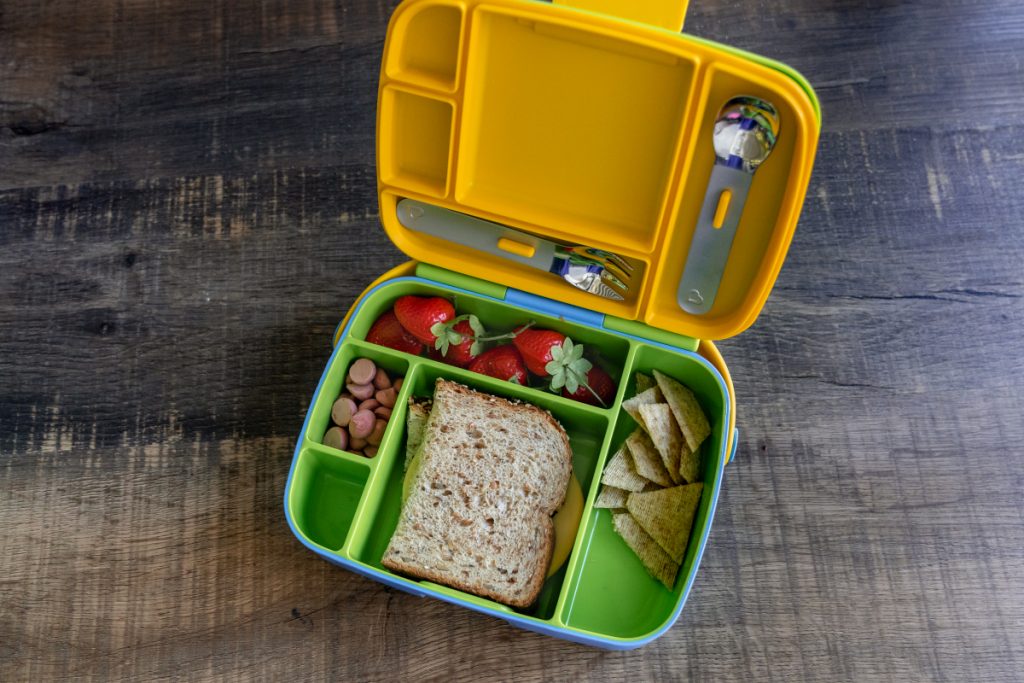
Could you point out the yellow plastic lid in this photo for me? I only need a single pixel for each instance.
(580, 127)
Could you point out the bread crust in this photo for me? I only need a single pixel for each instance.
(532, 591)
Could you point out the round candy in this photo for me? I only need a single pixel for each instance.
(386, 397)
(378, 432)
(342, 411)
(381, 380)
(362, 371)
(362, 424)
(360, 392)
(336, 437)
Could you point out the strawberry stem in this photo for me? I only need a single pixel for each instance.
(507, 335)
(594, 393)
(519, 330)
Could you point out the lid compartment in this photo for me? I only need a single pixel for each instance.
(416, 155)
(568, 128)
(429, 53)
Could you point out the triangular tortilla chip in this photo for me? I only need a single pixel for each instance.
(655, 560)
(693, 423)
(652, 395)
(611, 497)
(662, 429)
(643, 382)
(667, 515)
(646, 459)
(620, 472)
(689, 464)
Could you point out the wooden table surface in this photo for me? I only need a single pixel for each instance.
(187, 207)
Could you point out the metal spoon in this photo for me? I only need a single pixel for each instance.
(744, 135)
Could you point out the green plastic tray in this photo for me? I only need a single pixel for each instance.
(345, 507)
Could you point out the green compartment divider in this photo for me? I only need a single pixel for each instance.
(325, 495)
(352, 503)
(644, 331)
(429, 272)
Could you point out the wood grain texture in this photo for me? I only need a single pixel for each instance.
(187, 208)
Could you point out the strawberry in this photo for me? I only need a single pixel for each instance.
(550, 353)
(599, 388)
(503, 362)
(459, 345)
(458, 340)
(420, 315)
(536, 345)
(387, 331)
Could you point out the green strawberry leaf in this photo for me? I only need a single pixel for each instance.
(556, 353)
(553, 366)
(438, 329)
(558, 379)
(566, 348)
(572, 383)
(580, 367)
(474, 324)
(475, 348)
(577, 352)
(514, 379)
(454, 337)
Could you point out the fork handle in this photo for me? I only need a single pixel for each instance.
(478, 234)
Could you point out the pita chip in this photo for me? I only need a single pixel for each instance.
(646, 459)
(689, 464)
(661, 427)
(693, 423)
(620, 472)
(611, 497)
(643, 382)
(631, 406)
(654, 558)
(667, 516)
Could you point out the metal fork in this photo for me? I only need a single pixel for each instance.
(594, 270)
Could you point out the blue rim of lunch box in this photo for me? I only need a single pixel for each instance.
(576, 315)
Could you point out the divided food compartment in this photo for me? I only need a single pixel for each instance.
(568, 126)
(345, 507)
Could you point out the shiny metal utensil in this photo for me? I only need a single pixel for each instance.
(744, 135)
(592, 270)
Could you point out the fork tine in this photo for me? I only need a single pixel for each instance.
(614, 283)
(617, 273)
(601, 288)
(621, 263)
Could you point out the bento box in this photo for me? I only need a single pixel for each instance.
(526, 124)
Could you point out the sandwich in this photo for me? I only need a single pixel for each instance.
(488, 475)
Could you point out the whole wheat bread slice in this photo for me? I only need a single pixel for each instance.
(478, 517)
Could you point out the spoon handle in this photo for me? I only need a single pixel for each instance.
(712, 238)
